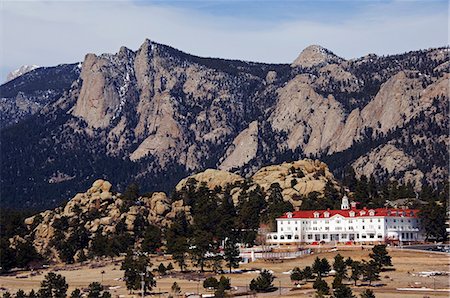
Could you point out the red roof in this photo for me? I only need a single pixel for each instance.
(357, 213)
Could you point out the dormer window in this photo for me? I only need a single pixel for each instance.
(411, 213)
(326, 214)
(316, 214)
(352, 213)
(371, 212)
(404, 213)
(289, 215)
(362, 212)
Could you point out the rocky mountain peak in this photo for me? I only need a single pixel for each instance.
(315, 55)
(20, 71)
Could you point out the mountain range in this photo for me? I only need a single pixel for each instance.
(156, 115)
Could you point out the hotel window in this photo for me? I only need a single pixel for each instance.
(395, 220)
(362, 220)
(371, 236)
(275, 237)
(363, 227)
(296, 237)
(379, 227)
(327, 228)
(379, 236)
(370, 220)
(363, 236)
(344, 236)
(310, 236)
(296, 228)
(379, 220)
(327, 221)
(338, 221)
(350, 221)
(315, 228)
(357, 236)
(282, 237)
(289, 237)
(325, 236)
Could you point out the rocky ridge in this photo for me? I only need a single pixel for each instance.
(163, 114)
(101, 211)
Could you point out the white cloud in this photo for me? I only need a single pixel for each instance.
(49, 33)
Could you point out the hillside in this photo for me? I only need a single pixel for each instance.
(102, 214)
(156, 115)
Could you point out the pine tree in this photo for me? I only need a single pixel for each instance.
(76, 294)
(371, 271)
(231, 253)
(263, 283)
(53, 286)
(340, 266)
(367, 293)
(321, 286)
(357, 271)
(152, 239)
(381, 256)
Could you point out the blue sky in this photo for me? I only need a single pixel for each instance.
(53, 32)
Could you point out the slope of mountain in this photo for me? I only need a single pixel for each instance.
(156, 115)
(20, 71)
(102, 211)
(27, 92)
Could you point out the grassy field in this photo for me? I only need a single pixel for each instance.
(406, 263)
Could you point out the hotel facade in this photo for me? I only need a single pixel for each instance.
(348, 225)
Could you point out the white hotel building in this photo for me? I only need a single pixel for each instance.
(347, 225)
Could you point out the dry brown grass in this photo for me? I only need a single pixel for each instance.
(406, 264)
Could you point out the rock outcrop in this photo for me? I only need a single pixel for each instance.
(161, 114)
(100, 210)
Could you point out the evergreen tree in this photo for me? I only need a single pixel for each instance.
(176, 237)
(231, 253)
(210, 282)
(32, 294)
(76, 294)
(162, 269)
(367, 293)
(21, 294)
(263, 283)
(7, 255)
(433, 219)
(381, 256)
(340, 266)
(343, 291)
(152, 239)
(135, 268)
(276, 206)
(371, 271)
(297, 274)
(321, 266)
(95, 290)
(131, 192)
(53, 286)
(321, 286)
(308, 273)
(357, 271)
